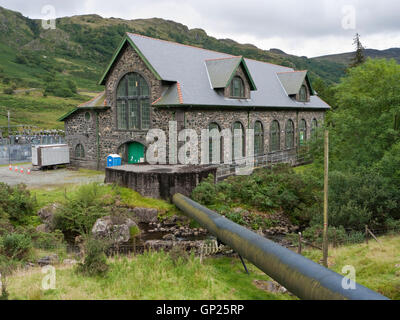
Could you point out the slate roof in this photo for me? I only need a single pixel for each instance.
(96, 103)
(190, 67)
(292, 81)
(221, 71)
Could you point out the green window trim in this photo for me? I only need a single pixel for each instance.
(79, 151)
(213, 126)
(289, 135)
(238, 126)
(258, 139)
(303, 96)
(133, 103)
(275, 136)
(237, 88)
(302, 132)
(314, 128)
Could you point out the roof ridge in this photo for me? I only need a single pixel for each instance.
(292, 71)
(227, 58)
(95, 97)
(274, 64)
(178, 86)
(194, 47)
(173, 42)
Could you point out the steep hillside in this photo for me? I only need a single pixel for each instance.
(81, 46)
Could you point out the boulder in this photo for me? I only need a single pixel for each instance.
(169, 236)
(43, 228)
(116, 229)
(46, 215)
(270, 286)
(70, 262)
(48, 260)
(145, 215)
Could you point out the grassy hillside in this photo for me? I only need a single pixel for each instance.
(377, 265)
(152, 276)
(81, 46)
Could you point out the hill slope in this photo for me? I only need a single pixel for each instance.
(345, 58)
(81, 46)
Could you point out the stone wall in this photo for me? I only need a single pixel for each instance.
(79, 130)
(160, 182)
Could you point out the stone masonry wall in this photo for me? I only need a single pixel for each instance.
(80, 130)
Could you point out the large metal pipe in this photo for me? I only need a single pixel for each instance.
(301, 276)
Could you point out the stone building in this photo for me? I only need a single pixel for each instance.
(150, 82)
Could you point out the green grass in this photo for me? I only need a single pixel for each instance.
(375, 263)
(129, 197)
(149, 276)
(34, 109)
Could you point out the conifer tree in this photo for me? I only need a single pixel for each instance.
(359, 57)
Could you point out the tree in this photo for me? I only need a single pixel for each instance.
(359, 57)
(362, 128)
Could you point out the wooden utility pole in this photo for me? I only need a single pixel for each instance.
(326, 172)
(9, 138)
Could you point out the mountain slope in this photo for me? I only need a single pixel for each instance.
(81, 46)
(345, 58)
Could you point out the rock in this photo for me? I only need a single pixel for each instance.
(145, 215)
(43, 228)
(29, 265)
(397, 265)
(116, 229)
(46, 215)
(70, 262)
(169, 237)
(48, 260)
(269, 286)
(167, 245)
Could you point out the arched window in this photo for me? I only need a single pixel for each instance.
(133, 103)
(302, 132)
(303, 94)
(289, 141)
(238, 135)
(258, 139)
(314, 127)
(214, 126)
(237, 88)
(79, 151)
(275, 137)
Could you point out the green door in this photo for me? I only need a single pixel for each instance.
(135, 152)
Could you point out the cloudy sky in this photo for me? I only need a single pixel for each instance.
(302, 27)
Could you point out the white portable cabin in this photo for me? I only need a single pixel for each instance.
(50, 155)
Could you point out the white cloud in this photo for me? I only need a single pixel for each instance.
(308, 27)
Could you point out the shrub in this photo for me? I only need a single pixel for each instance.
(266, 190)
(360, 198)
(95, 261)
(8, 91)
(77, 215)
(16, 203)
(47, 241)
(16, 246)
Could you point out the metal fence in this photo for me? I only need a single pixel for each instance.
(20, 150)
(291, 157)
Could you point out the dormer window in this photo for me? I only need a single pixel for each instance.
(303, 97)
(237, 88)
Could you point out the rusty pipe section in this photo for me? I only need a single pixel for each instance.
(301, 276)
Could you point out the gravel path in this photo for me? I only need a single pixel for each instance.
(38, 179)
